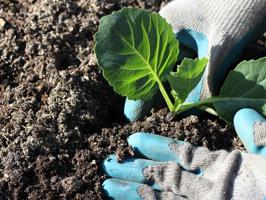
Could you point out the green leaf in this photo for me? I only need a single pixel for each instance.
(243, 87)
(136, 49)
(187, 76)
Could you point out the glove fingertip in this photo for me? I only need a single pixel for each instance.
(117, 189)
(107, 164)
(136, 109)
(244, 122)
(153, 146)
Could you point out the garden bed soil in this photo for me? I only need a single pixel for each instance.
(58, 117)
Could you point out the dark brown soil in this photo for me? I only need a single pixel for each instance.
(58, 118)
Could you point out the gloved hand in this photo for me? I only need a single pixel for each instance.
(218, 30)
(172, 169)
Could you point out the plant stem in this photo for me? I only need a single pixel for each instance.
(211, 100)
(166, 97)
(208, 110)
(187, 106)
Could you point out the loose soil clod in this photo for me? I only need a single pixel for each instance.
(59, 119)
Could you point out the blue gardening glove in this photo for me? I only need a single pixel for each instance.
(174, 169)
(217, 29)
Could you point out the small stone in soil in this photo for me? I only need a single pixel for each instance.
(2, 23)
(72, 184)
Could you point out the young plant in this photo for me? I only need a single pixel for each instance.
(137, 51)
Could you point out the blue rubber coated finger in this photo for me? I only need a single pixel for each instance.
(120, 190)
(153, 146)
(243, 121)
(130, 169)
(135, 110)
(194, 40)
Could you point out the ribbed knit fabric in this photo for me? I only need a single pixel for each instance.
(260, 133)
(223, 176)
(224, 22)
